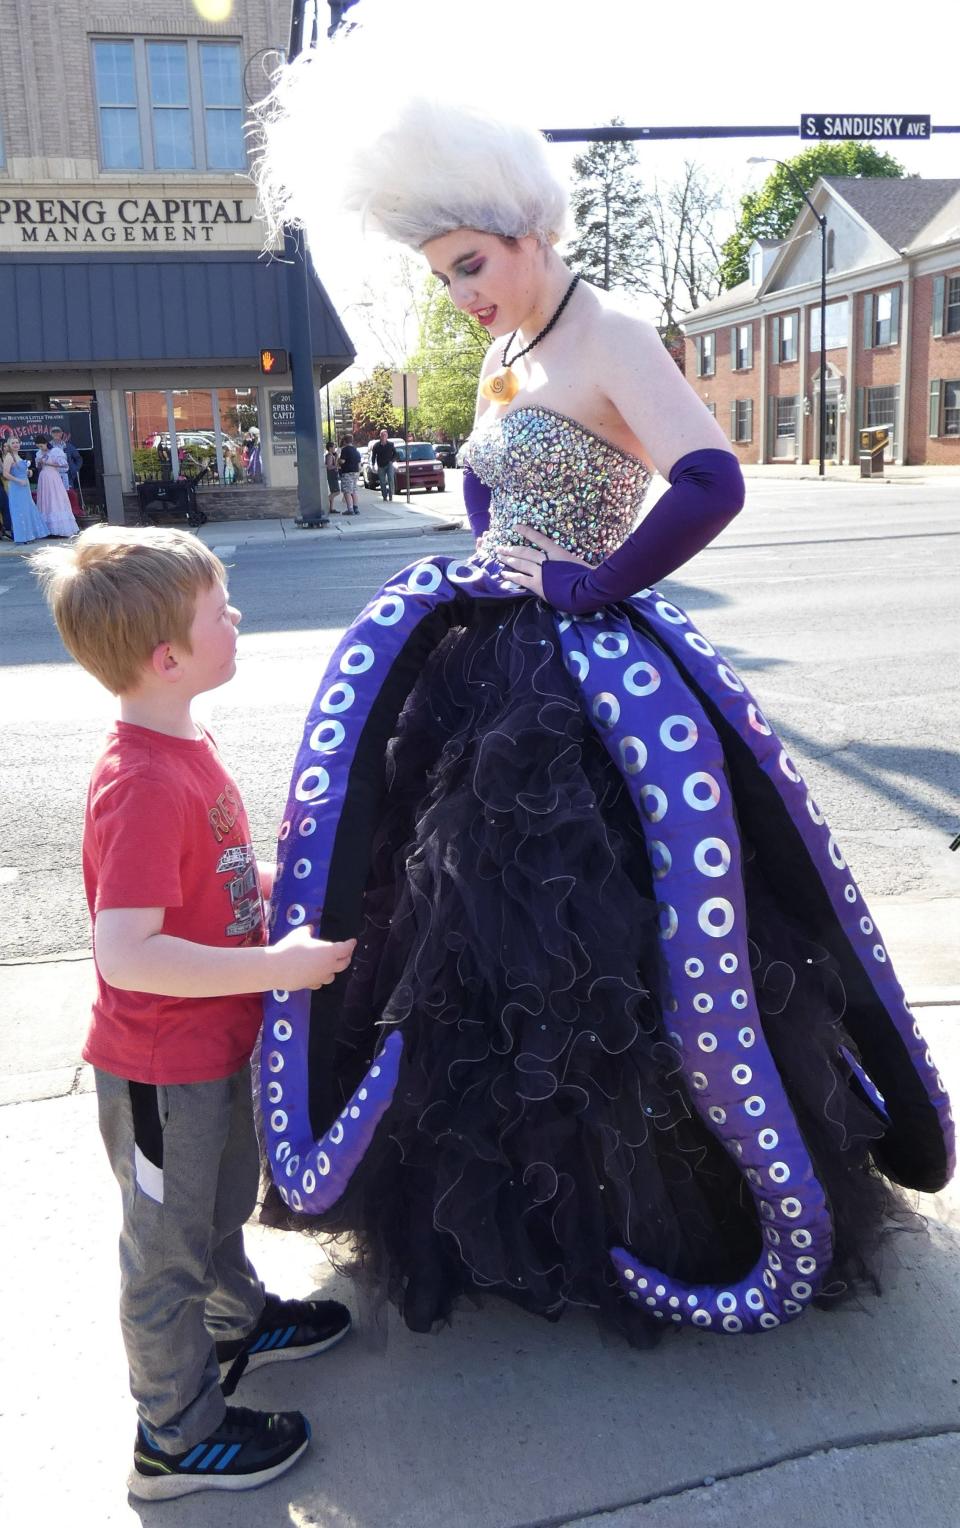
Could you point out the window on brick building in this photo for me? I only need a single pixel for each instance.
(706, 355)
(742, 420)
(837, 322)
(169, 105)
(114, 79)
(222, 105)
(742, 347)
(881, 318)
(951, 408)
(881, 411)
(952, 313)
(787, 348)
(786, 417)
(712, 409)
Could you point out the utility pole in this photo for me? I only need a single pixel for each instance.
(311, 486)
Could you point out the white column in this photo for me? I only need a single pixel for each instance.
(111, 446)
(803, 326)
(172, 433)
(762, 454)
(852, 443)
(217, 432)
(903, 411)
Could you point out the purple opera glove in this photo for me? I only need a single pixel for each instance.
(476, 497)
(706, 491)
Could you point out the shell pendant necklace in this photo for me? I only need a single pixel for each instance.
(503, 385)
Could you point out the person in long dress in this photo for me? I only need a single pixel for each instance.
(620, 1032)
(27, 524)
(52, 499)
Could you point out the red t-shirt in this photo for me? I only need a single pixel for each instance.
(165, 827)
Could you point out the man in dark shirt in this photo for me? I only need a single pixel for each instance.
(382, 458)
(349, 468)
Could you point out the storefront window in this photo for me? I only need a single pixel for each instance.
(193, 420)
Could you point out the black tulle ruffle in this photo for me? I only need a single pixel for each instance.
(509, 932)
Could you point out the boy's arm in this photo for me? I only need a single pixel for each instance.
(133, 954)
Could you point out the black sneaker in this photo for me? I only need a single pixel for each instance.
(286, 1329)
(247, 1449)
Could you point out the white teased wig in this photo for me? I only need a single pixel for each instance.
(412, 171)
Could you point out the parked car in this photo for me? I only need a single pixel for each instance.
(446, 453)
(425, 469)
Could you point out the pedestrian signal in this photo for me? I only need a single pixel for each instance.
(274, 363)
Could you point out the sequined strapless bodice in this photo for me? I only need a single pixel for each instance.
(552, 473)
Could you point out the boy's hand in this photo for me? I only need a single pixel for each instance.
(303, 961)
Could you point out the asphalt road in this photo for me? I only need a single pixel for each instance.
(836, 602)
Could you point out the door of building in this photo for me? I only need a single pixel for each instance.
(830, 432)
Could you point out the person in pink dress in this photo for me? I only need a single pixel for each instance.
(52, 499)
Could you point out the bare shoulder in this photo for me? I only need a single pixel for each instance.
(624, 337)
(647, 388)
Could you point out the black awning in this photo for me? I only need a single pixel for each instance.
(102, 309)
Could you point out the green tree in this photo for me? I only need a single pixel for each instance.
(447, 362)
(771, 212)
(611, 243)
(372, 405)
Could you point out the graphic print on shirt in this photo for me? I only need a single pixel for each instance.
(243, 889)
(224, 813)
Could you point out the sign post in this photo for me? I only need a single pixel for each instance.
(405, 394)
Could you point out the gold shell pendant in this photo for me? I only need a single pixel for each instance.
(501, 387)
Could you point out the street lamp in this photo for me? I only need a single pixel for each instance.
(822, 220)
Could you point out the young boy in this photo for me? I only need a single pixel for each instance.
(179, 945)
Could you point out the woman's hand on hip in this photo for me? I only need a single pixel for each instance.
(523, 563)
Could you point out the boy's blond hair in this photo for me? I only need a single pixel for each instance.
(117, 592)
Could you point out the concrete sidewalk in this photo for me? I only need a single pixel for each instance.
(425, 516)
(500, 1420)
(845, 474)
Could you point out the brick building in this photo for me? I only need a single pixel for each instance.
(133, 290)
(893, 329)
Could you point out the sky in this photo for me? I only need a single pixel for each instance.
(569, 63)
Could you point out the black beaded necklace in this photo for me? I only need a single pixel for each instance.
(503, 385)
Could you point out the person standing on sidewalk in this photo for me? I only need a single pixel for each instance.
(382, 457)
(349, 474)
(26, 521)
(331, 462)
(52, 499)
(176, 898)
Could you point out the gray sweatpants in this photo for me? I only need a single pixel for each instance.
(186, 1158)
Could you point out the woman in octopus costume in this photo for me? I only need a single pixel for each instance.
(620, 1032)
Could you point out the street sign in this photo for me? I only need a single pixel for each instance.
(861, 125)
(398, 397)
(283, 423)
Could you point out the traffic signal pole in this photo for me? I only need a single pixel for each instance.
(310, 485)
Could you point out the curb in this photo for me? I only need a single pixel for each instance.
(286, 532)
